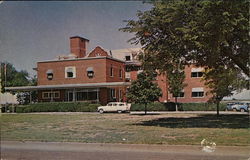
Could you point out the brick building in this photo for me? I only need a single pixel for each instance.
(101, 76)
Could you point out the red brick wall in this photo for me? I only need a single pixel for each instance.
(58, 68)
(98, 50)
(78, 46)
(162, 83)
(192, 82)
(116, 67)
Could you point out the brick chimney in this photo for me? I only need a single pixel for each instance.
(78, 46)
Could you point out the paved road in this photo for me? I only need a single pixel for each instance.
(81, 151)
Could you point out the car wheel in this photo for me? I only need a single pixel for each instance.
(101, 111)
(242, 110)
(234, 110)
(119, 111)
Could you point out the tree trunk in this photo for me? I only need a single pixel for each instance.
(176, 106)
(145, 108)
(218, 106)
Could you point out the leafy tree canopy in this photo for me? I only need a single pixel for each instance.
(14, 77)
(206, 32)
(144, 90)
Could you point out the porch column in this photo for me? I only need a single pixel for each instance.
(74, 95)
(30, 97)
(97, 97)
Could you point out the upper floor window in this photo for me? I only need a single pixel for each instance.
(70, 72)
(197, 92)
(120, 73)
(49, 74)
(90, 72)
(111, 71)
(127, 58)
(197, 72)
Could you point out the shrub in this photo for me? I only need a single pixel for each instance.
(170, 106)
(58, 107)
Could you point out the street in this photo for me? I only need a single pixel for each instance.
(94, 151)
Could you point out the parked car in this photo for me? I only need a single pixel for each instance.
(115, 107)
(242, 107)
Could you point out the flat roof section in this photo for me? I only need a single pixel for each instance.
(87, 58)
(68, 86)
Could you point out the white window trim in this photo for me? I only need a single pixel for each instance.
(53, 92)
(74, 71)
(111, 67)
(198, 97)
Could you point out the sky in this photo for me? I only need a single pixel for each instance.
(37, 31)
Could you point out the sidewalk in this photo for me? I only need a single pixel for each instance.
(100, 147)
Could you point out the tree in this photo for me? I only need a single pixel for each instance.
(206, 32)
(17, 78)
(13, 77)
(222, 81)
(176, 85)
(144, 90)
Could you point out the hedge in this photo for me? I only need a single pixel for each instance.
(58, 107)
(170, 106)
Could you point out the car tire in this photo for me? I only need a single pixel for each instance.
(119, 111)
(242, 110)
(101, 111)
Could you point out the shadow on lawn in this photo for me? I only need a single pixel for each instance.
(202, 121)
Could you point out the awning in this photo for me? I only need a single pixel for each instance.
(200, 69)
(68, 86)
(200, 89)
(90, 69)
(69, 70)
(49, 71)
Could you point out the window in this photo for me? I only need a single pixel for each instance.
(197, 94)
(49, 95)
(120, 73)
(196, 74)
(49, 74)
(111, 71)
(70, 72)
(181, 94)
(121, 104)
(90, 72)
(112, 93)
(127, 58)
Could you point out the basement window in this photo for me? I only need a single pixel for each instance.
(70, 72)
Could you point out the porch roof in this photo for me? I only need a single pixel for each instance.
(68, 86)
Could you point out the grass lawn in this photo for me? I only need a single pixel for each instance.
(178, 129)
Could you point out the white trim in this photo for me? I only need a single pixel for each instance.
(67, 86)
(72, 69)
(198, 89)
(200, 69)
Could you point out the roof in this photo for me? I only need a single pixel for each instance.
(85, 58)
(67, 86)
(79, 37)
(243, 95)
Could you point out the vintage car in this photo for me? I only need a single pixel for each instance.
(115, 107)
